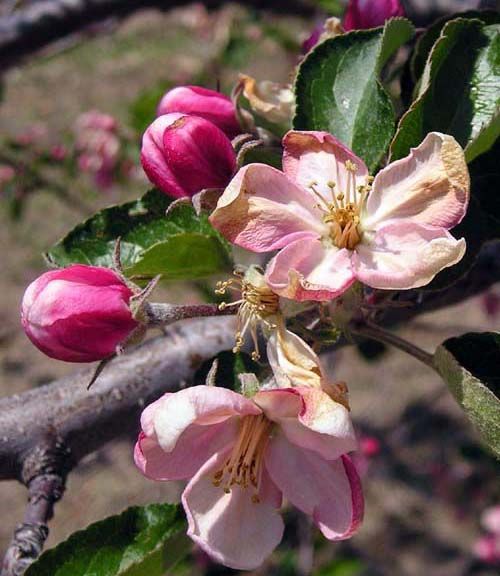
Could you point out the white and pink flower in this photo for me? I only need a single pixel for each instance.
(333, 227)
(243, 455)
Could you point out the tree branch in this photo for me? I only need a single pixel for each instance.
(30, 29)
(44, 473)
(85, 420)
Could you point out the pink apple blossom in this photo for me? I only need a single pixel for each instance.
(208, 104)
(78, 314)
(370, 13)
(184, 154)
(332, 227)
(242, 455)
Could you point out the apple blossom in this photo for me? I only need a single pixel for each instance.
(78, 314)
(184, 154)
(332, 227)
(370, 13)
(258, 306)
(270, 100)
(242, 455)
(208, 104)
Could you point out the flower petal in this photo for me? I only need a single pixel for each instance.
(429, 186)
(292, 360)
(310, 419)
(262, 210)
(231, 528)
(198, 405)
(192, 449)
(307, 270)
(405, 255)
(318, 157)
(328, 491)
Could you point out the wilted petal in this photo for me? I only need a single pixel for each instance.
(319, 158)
(262, 210)
(429, 186)
(293, 361)
(307, 270)
(310, 419)
(231, 528)
(405, 255)
(198, 405)
(328, 491)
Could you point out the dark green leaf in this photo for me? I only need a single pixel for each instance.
(470, 365)
(179, 245)
(142, 540)
(270, 155)
(426, 41)
(485, 186)
(338, 89)
(459, 92)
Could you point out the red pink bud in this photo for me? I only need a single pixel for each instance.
(208, 104)
(78, 314)
(362, 14)
(183, 154)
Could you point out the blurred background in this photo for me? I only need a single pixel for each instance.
(428, 482)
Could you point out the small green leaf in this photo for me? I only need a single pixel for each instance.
(459, 92)
(426, 41)
(179, 245)
(338, 89)
(142, 540)
(470, 365)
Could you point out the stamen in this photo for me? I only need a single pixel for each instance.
(243, 468)
(256, 305)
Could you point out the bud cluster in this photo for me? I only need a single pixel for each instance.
(188, 147)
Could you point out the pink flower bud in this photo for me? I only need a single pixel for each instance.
(77, 314)
(182, 155)
(362, 14)
(202, 102)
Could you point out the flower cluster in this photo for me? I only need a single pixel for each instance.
(188, 147)
(319, 230)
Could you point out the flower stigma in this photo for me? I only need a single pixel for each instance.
(243, 468)
(343, 213)
(258, 303)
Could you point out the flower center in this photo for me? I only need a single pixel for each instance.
(257, 303)
(342, 214)
(243, 468)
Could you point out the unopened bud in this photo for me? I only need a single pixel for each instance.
(202, 102)
(78, 314)
(183, 154)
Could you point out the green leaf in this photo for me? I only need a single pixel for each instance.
(470, 365)
(179, 245)
(426, 41)
(485, 186)
(459, 92)
(142, 540)
(338, 89)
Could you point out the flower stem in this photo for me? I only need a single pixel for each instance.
(163, 314)
(375, 332)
